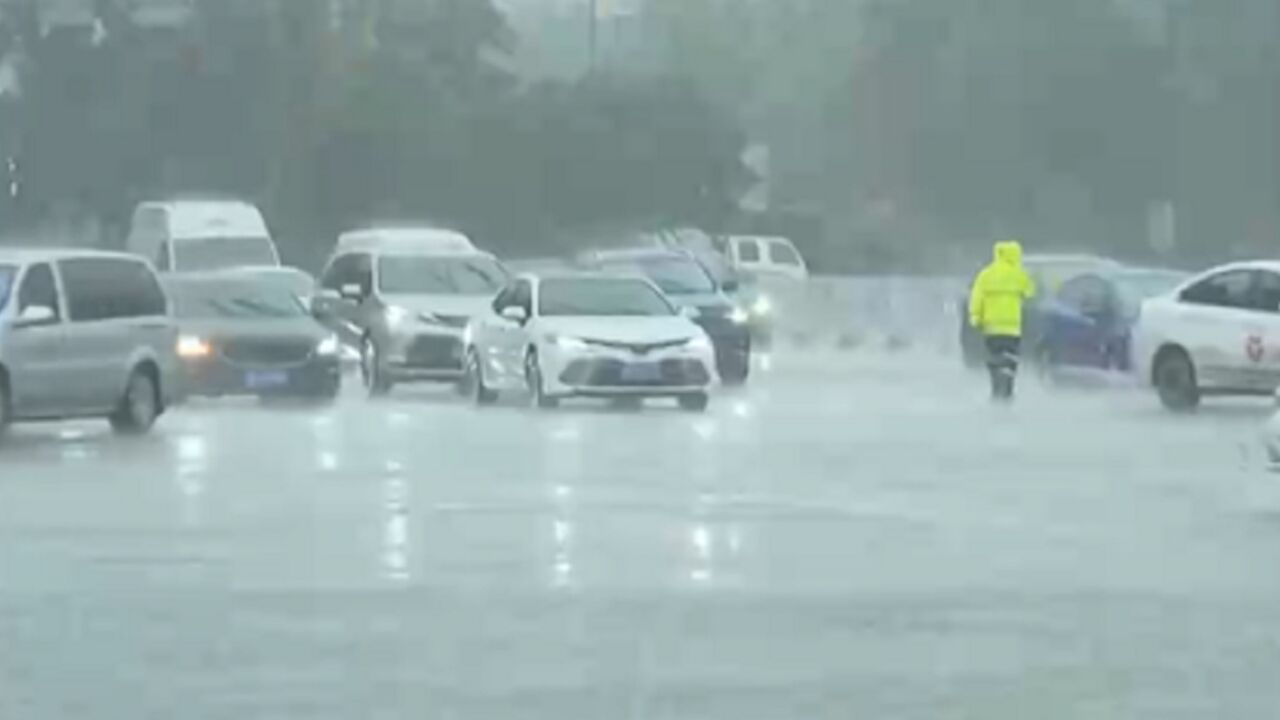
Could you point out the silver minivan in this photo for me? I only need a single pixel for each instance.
(84, 334)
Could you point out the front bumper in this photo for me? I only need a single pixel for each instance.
(603, 372)
(319, 376)
(425, 355)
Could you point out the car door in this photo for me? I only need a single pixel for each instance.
(104, 309)
(1266, 295)
(1078, 323)
(36, 348)
(1219, 324)
(340, 313)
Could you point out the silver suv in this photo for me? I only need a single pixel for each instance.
(406, 308)
(84, 334)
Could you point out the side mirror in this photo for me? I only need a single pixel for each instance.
(351, 291)
(34, 315)
(689, 312)
(515, 313)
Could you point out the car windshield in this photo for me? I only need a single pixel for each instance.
(675, 276)
(207, 301)
(7, 274)
(1050, 275)
(600, 297)
(439, 275)
(217, 253)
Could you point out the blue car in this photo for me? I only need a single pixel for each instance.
(1088, 322)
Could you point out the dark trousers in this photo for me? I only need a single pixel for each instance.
(1002, 364)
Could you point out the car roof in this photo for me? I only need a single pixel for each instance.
(206, 218)
(1068, 259)
(427, 237)
(572, 274)
(636, 254)
(28, 255)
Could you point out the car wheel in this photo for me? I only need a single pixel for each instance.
(372, 371)
(1175, 379)
(736, 372)
(537, 388)
(472, 384)
(694, 402)
(139, 407)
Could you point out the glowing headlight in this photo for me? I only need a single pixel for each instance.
(395, 315)
(568, 344)
(762, 306)
(190, 346)
(739, 316)
(699, 344)
(328, 346)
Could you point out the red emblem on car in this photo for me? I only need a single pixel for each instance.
(1254, 348)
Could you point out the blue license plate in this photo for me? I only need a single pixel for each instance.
(641, 372)
(265, 379)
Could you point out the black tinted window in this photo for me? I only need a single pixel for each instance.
(348, 270)
(39, 290)
(1231, 289)
(783, 254)
(1267, 292)
(109, 288)
(749, 251)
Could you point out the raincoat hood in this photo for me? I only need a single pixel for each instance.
(1008, 252)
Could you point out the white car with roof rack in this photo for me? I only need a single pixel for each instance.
(562, 335)
(1217, 334)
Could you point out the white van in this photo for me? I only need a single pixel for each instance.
(201, 235)
(765, 257)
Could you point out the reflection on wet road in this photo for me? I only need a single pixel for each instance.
(847, 538)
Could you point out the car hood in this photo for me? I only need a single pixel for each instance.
(623, 329)
(452, 305)
(280, 329)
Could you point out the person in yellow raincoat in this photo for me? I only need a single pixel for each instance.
(995, 310)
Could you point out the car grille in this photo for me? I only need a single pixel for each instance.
(681, 372)
(638, 348)
(268, 351)
(435, 352)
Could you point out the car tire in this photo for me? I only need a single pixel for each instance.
(472, 384)
(736, 372)
(372, 371)
(1175, 381)
(694, 402)
(139, 407)
(538, 396)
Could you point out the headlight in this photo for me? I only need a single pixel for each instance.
(395, 315)
(328, 346)
(700, 344)
(568, 344)
(739, 316)
(191, 346)
(762, 306)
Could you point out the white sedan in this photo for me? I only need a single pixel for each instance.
(567, 335)
(1216, 334)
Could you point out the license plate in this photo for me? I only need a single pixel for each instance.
(265, 379)
(641, 372)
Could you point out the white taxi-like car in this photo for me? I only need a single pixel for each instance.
(1216, 334)
(590, 335)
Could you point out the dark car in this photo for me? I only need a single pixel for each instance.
(242, 336)
(1049, 272)
(689, 284)
(1089, 321)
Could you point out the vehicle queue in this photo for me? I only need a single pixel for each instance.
(200, 306)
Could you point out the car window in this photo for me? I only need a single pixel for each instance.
(674, 275)
(783, 254)
(110, 288)
(162, 259)
(7, 274)
(39, 289)
(246, 301)
(353, 269)
(600, 297)
(1266, 292)
(217, 253)
(1230, 289)
(438, 275)
(748, 251)
(1087, 295)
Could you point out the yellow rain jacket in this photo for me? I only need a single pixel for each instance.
(995, 303)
